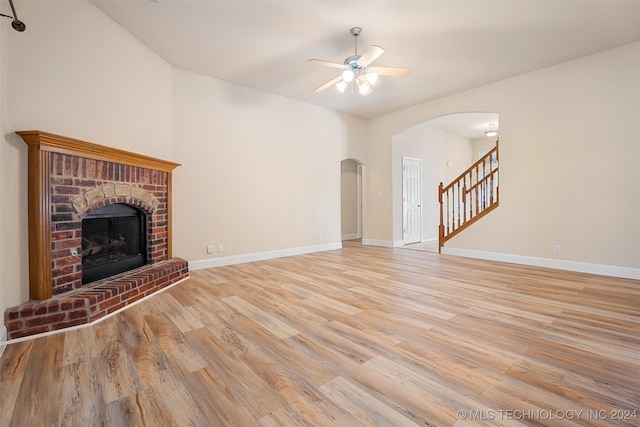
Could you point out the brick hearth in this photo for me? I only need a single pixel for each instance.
(94, 300)
(69, 179)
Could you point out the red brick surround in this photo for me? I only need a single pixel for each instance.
(69, 179)
(78, 187)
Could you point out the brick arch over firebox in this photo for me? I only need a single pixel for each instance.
(111, 193)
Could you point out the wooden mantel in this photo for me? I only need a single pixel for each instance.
(41, 145)
(44, 141)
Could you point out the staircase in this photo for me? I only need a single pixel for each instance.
(469, 197)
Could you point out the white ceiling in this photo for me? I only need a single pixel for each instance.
(469, 125)
(450, 45)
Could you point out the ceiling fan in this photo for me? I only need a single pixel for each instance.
(357, 71)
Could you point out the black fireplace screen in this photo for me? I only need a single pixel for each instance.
(113, 241)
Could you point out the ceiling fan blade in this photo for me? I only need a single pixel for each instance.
(370, 55)
(390, 71)
(329, 63)
(328, 84)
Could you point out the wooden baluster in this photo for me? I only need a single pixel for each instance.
(475, 187)
(456, 195)
(470, 194)
(497, 174)
(453, 208)
(447, 228)
(441, 228)
(464, 198)
(490, 187)
(475, 193)
(491, 179)
(449, 213)
(458, 203)
(484, 183)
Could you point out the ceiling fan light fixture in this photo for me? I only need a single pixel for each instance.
(363, 87)
(355, 71)
(348, 75)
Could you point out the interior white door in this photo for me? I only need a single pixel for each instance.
(411, 200)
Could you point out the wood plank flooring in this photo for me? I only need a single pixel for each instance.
(361, 336)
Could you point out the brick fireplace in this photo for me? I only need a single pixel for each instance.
(69, 180)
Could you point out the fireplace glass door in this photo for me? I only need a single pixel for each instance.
(113, 241)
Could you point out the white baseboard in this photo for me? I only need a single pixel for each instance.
(374, 242)
(391, 244)
(581, 267)
(261, 256)
(3, 340)
(350, 236)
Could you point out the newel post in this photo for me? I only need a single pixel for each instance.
(441, 228)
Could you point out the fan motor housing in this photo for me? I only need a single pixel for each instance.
(352, 61)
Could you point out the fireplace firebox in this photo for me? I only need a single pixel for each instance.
(113, 241)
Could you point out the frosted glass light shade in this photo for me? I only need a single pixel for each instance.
(372, 78)
(348, 75)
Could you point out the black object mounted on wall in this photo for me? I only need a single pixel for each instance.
(17, 24)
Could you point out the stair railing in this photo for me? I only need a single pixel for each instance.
(473, 194)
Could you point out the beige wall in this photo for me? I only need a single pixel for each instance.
(260, 172)
(568, 161)
(76, 73)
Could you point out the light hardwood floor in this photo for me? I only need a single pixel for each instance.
(361, 336)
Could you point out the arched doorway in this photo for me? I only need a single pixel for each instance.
(351, 205)
(446, 146)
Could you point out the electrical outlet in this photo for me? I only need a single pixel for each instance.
(556, 249)
(220, 247)
(210, 249)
